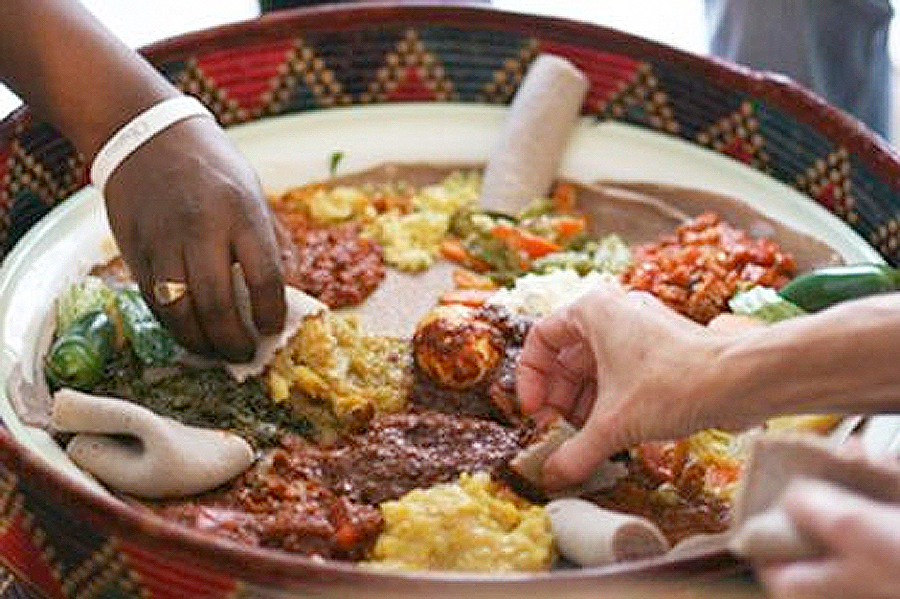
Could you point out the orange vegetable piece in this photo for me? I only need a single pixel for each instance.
(563, 197)
(569, 226)
(467, 297)
(533, 246)
(453, 250)
(467, 279)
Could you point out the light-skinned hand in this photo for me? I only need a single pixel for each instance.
(620, 365)
(860, 535)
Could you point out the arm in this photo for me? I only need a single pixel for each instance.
(73, 71)
(842, 359)
(184, 206)
(628, 369)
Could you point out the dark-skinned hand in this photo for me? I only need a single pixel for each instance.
(184, 207)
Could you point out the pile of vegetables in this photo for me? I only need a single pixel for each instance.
(94, 322)
(108, 342)
(546, 235)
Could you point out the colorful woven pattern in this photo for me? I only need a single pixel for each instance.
(305, 60)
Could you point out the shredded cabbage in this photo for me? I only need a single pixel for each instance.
(87, 295)
(609, 255)
(763, 303)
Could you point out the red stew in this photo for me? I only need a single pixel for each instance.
(703, 263)
(682, 510)
(333, 263)
(321, 501)
(264, 508)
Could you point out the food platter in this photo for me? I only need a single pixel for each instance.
(291, 150)
(371, 82)
(288, 151)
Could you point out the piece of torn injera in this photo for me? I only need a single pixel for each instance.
(525, 160)
(762, 530)
(299, 306)
(132, 449)
(529, 463)
(589, 535)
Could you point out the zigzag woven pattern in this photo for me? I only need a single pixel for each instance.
(321, 69)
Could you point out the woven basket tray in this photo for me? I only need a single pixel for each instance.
(68, 543)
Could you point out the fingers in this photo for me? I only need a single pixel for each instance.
(828, 513)
(178, 316)
(207, 320)
(570, 372)
(581, 410)
(579, 457)
(262, 274)
(860, 535)
(845, 522)
(213, 295)
(540, 369)
(801, 580)
(531, 385)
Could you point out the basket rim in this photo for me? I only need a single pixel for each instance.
(266, 566)
(866, 146)
(779, 90)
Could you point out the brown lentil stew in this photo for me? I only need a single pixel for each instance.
(401, 452)
(321, 501)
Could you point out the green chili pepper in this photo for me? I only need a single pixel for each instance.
(823, 287)
(79, 354)
(333, 163)
(150, 342)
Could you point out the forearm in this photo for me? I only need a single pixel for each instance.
(73, 71)
(843, 359)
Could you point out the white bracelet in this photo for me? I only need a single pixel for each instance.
(138, 131)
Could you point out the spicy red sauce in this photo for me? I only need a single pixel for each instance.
(684, 509)
(699, 267)
(333, 263)
(265, 508)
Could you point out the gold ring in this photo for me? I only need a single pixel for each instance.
(169, 292)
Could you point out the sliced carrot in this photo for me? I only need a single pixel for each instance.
(534, 246)
(453, 250)
(467, 297)
(467, 279)
(569, 226)
(346, 535)
(563, 197)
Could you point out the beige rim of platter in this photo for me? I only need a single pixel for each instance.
(292, 150)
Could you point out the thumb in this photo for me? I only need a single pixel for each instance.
(578, 458)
